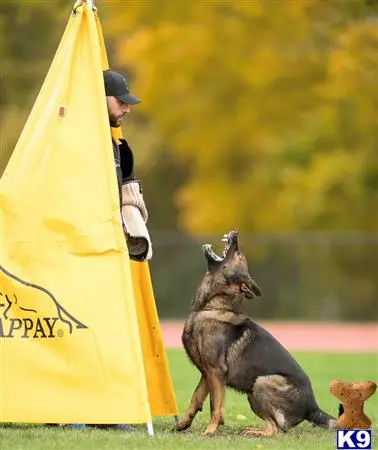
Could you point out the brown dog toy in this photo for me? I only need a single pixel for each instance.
(352, 397)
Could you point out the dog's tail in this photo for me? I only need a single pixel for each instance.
(321, 419)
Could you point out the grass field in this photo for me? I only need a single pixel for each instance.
(321, 367)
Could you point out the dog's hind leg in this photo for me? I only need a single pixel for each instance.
(217, 388)
(269, 401)
(270, 429)
(198, 398)
(259, 432)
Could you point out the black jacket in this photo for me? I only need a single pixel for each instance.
(124, 163)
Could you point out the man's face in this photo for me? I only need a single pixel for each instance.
(117, 111)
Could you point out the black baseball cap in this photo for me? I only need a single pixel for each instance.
(116, 86)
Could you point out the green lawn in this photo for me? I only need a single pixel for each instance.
(321, 367)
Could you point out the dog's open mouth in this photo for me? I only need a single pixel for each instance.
(230, 242)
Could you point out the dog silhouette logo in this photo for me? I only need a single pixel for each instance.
(31, 311)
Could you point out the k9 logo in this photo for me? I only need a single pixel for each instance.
(347, 439)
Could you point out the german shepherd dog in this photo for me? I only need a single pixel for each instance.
(229, 349)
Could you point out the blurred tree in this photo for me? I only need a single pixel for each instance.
(26, 53)
(268, 111)
(269, 106)
(29, 36)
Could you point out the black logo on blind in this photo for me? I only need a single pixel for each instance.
(30, 311)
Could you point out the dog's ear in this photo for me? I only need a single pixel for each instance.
(251, 289)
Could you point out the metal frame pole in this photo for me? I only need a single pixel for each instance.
(150, 429)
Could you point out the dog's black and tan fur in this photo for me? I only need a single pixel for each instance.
(229, 349)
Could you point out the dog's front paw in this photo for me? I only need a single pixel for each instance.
(208, 433)
(210, 430)
(182, 425)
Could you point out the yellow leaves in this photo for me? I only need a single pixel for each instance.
(353, 74)
(325, 172)
(353, 62)
(256, 9)
(132, 48)
(309, 192)
(269, 107)
(205, 210)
